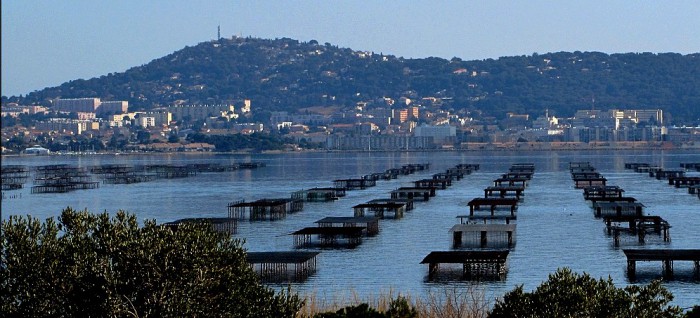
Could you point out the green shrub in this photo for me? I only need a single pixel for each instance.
(93, 265)
(567, 294)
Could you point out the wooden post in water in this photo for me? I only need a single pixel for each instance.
(631, 269)
(432, 270)
(668, 268)
(641, 235)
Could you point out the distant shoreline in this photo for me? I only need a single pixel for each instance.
(480, 148)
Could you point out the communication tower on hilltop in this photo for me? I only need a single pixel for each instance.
(218, 32)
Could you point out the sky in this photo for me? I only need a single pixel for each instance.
(47, 42)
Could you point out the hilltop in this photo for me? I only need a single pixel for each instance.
(286, 74)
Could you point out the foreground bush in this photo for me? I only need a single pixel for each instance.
(567, 294)
(467, 301)
(398, 308)
(93, 265)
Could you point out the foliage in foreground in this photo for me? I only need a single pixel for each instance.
(93, 265)
(564, 294)
(398, 308)
(568, 294)
(465, 301)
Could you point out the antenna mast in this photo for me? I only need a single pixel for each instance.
(218, 33)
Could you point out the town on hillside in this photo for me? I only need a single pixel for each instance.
(90, 124)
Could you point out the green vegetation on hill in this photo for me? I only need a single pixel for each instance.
(285, 74)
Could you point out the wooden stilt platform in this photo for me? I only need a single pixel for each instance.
(694, 189)
(319, 194)
(647, 169)
(264, 209)
(444, 176)
(65, 187)
(438, 184)
(635, 165)
(522, 167)
(370, 223)
(456, 173)
(14, 177)
(590, 181)
(62, 178)
(329, 236)
(499, 219)
(665, 256)
(601, 192)
(413, 193)
(601, 209)
(639, 226)
(468, 166)
(283, 266)
(665, 174)
(354, 184)
(493, 204)
(515, 192)
(593, 201)
(475, 264)
(492, 235)
(408, 203)
(521, 181)
(517, 175)
(683, 182)
(394, 210)
(579, 164)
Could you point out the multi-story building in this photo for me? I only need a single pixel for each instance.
(632, 116)
(86, 116)
(545, 122)
(144, 121)
(616, 118)
(201, 112)
(439, 133)
(381, 142)
(406, 114)
(246, 106)
(592, 118)
(161, 118)
(14, 111)
(84, 105)
(247, 127)
(63, 125)
(90, 105)
(113, 107)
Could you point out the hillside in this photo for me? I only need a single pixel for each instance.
(286, 74)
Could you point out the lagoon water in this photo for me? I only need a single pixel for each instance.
(556, 227)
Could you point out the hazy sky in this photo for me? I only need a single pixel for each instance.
(48, 42)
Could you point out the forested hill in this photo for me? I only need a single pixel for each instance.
(285, 74)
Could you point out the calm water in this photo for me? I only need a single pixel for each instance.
(556, 227)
